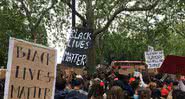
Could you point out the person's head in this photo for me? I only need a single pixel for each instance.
(97, 90)
(144, 94)
(77, 83)
(60, 84)
(115, 92)
(152, 85)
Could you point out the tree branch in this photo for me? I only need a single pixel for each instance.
(76, 12)
(43, 14)
(119, 10)
(181, 33)
(28, 14)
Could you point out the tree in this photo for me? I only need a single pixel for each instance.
(35, 13)
(163, 29)
(14, 23)
(99, 14)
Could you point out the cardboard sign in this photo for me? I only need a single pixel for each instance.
(31, 71)
(154, 59)
(76, 52)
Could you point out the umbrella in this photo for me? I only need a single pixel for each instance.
(173, 65)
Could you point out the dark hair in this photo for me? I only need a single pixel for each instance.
(116, 92)
(60, 84)
(144, 94)
(77, 82)
(96, 90)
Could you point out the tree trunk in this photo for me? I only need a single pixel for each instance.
(91, 59)
(91, 55)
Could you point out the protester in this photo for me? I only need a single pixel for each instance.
(155, 92)
(112, 85)
(97, 90)
(116, 92)
(60, 91)
(77, 92)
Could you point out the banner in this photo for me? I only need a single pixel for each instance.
(76, 52)
(154, 59)
(31, 71)
(173, 65)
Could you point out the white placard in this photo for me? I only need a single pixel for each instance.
(154, 59)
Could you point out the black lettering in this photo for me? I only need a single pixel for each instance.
(19, 51)
(47, 59)
(35, 55)
(17, 72)
(21, 93)
(46, 92)
(39, 74)
(28, 56)
(24, 73)
(39, 94)
(31, 73)
(42, 57)
(28, 94)
(14, 90)
(35, 90)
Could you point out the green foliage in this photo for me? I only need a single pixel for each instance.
(13, 23)
(128, 40)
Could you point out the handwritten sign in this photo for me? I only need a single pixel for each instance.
(154, 59)
(76, 52)
(31, 71)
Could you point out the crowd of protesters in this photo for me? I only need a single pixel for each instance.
(109, 84)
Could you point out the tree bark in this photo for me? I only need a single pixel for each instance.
(91, 53)
(91, 59)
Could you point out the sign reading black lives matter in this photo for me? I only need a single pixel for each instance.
(31, 71)
(76, 52)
